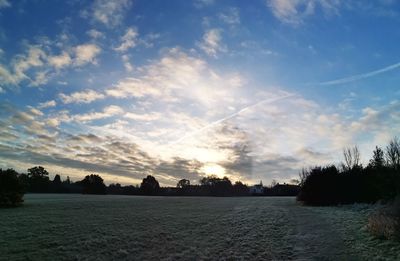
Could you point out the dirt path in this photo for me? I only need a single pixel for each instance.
(286, 231)
(316, 238)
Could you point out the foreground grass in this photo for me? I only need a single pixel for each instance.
(77, 227)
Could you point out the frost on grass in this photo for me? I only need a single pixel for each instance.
(76, 227)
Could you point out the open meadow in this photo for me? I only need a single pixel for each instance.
(83, 227)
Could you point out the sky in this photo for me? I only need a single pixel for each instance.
(252, 90)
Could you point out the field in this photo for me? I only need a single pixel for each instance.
(79, 227)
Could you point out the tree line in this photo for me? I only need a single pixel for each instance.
(351, 182)
(13, 185)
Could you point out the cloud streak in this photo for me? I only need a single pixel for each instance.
(359, 76)
(214, 123)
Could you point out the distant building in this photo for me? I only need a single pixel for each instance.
(257, 189)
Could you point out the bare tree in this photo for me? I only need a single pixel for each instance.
(351, 157)
(393, 153)
(303, 174)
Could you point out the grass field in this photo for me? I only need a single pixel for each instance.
(81, 227)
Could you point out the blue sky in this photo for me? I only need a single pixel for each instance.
(254, 90)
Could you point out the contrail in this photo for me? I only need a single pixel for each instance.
(212, 124)
(358, 76)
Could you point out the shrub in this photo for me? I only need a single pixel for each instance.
(11, 188)
(385, 223)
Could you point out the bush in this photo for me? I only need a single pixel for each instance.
(385, 223)
(11, 188)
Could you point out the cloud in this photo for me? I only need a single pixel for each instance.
(148, 39)
(110, 12)
(95, 34)
(60, 61)
(203, 3)
(295, 11)
(266, 141)
(41, 78)
(4, 4)
(211, 43)
(230, 17)
(6, 77)
(21, 64)
(85, 96)
(84, 152)
(34, 58)
(178, 76)
(86, 53)
(128, 66)
(132, 87)
(48, 104)
(128, 40)
(36, 66)
(219, 121)
(107, 112)
(142, 117)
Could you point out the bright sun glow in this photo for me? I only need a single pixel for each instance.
(214, 169)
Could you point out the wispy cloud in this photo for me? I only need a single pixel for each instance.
(85, 96)
(212, 42)
(4, 3)
(295, 11)
(95, 34)
(107, 112)
(48, 104)
(127, 64)
(128, 40)
(203, 3)
(231, 17)
(178, 76)
(110, 12)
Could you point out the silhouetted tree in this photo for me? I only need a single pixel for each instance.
(354, 183)
(38, 179)
(57, 186)
(209, 180)
(115, 189)
(351, 157)
(320, 186)
(378, 160)
(393, 153)
(240, 189)
(11, 188)
(282, 190)
(149, 186)
(67, 181)
(93, 184)
(57, 180)
(217, 186)
(38, 172)
(183, 183)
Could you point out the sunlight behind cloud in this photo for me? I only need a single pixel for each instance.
(214, 169)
